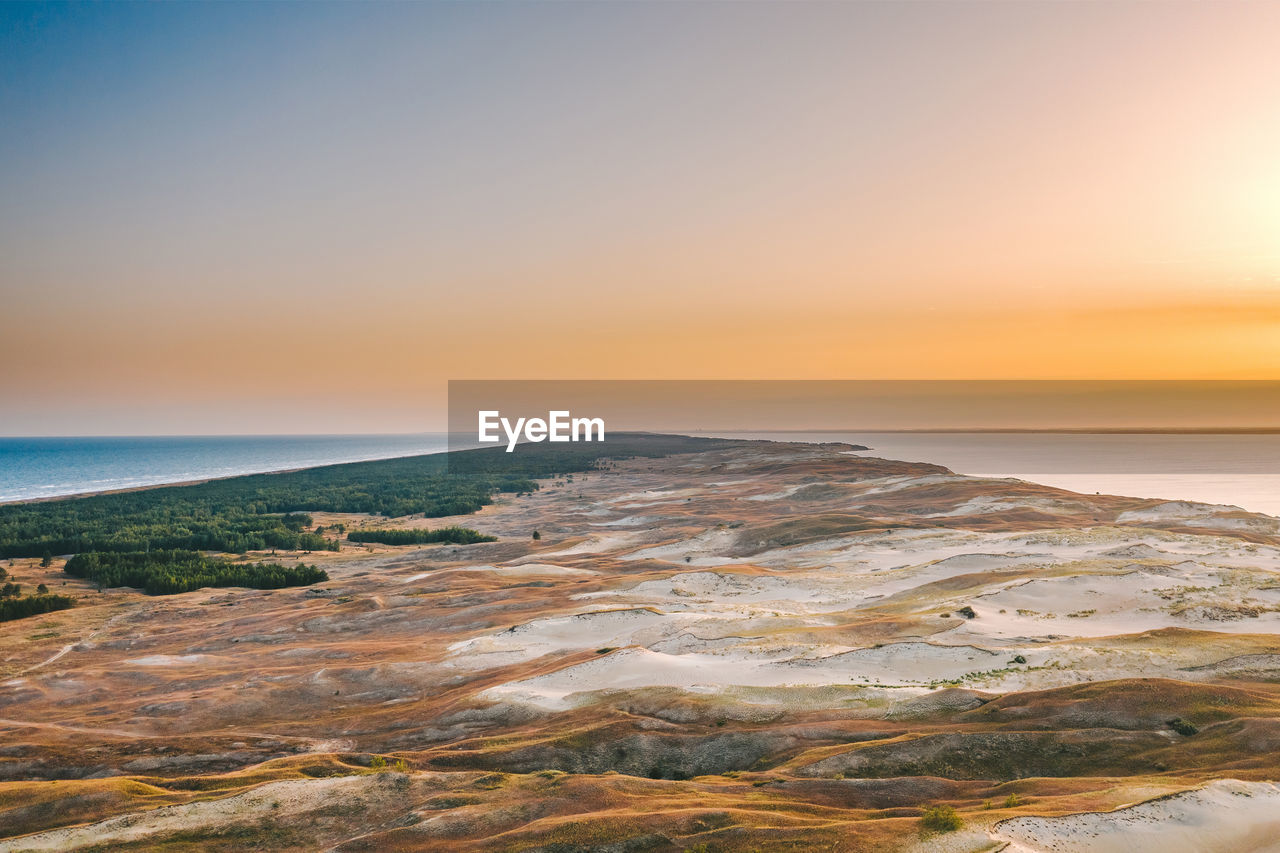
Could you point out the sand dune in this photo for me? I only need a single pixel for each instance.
(768, 646)
(1222, 817)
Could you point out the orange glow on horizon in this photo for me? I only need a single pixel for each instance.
(302, 243)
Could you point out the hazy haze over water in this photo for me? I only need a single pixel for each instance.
(1243, 470)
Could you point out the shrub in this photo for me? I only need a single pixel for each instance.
(1183, 727)
(1013, 801)
(941, 819)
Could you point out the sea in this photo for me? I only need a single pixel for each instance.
(1234, 469)
(51, 467)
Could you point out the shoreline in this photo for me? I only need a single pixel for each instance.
(1046, 478)
(200, 481)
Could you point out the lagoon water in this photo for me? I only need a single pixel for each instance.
(47, 467)
(1242, 470)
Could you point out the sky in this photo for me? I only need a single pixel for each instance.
(256, 218)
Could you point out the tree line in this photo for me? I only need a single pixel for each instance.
(20, 607)
(271, 511)
(421, 536)
(172, 571)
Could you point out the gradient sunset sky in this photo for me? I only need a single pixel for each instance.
(307, 218)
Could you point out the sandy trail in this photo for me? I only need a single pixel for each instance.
(55, 656)
(69, 646)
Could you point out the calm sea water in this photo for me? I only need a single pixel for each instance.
(45, 467)
(1240, 470)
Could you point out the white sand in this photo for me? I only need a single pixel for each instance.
(1216, 516)
(1063, 592)
(986, 504)
(559, 633)
(524, 569)
(1223, 817)
(169, 660)
(885, 485)
(716, 667)
(597, 544)
(628, 521)
(906, 663)
(641, 668)
(776, 496)
(722, 590)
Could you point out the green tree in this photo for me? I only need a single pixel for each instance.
(420, 536)
(941, 819)
(31, 605)
(269, 512)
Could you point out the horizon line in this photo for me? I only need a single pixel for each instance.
(1099, 430)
